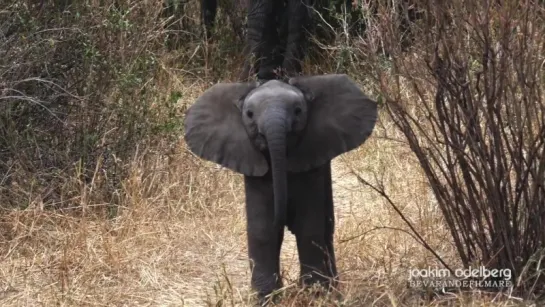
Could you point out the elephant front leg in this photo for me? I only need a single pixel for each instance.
(316, 253)
(313, 225)
(264, 252)
(264, 240)
(317, 259)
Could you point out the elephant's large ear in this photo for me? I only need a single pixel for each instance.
(214, 130)
(340, 118)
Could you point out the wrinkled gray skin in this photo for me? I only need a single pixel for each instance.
(282, 137)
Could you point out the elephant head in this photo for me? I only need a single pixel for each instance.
(281, 127)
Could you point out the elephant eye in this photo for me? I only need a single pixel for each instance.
(297, 111)
(250, 114)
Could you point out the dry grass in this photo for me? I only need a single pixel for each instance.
(179, 238)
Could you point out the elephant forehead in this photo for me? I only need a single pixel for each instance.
(276, 91)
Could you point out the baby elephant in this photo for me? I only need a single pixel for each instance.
(282, 137)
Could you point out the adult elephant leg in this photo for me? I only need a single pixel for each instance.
(298, 14)
(208, 12)
(313, 224)
(283, 17)
(262, 37)
(264, 240)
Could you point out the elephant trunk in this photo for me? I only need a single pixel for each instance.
(275, 130)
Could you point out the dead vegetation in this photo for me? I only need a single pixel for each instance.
(468, 97)
(102, 204)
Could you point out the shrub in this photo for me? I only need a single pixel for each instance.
(468, 97)
(80, 93)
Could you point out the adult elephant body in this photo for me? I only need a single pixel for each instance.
(282, 137)
(275, 37)
(277, 30)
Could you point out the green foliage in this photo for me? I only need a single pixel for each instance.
(172, 123)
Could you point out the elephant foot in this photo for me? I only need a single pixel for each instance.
(267, 300)
(321, 288)
(266, 287)
(318, 283)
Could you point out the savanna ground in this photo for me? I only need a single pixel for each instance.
(170, 229)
